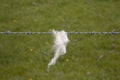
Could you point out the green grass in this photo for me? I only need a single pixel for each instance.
(88, 57)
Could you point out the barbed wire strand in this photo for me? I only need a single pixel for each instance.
(8, 32)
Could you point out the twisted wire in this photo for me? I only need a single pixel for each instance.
(9, 32)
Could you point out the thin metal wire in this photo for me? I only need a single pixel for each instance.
(9, 32)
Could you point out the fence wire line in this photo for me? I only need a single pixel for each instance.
(9, 32)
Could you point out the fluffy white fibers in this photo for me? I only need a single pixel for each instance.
(59, 46)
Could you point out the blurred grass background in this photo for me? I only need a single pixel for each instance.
(88, 57)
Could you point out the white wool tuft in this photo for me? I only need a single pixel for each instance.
(59, 47)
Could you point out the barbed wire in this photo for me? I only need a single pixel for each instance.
(93, 32)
